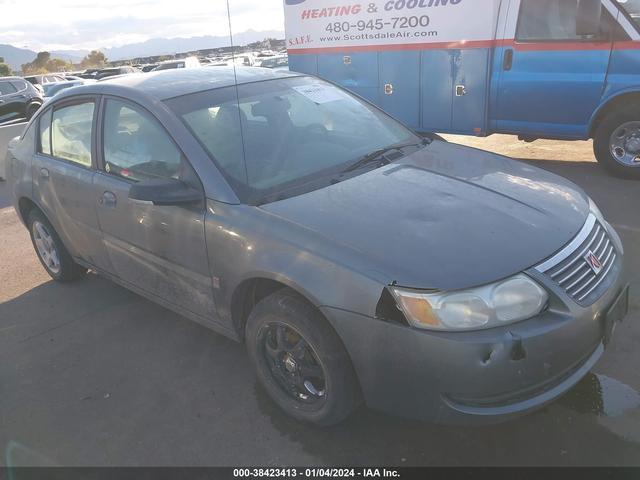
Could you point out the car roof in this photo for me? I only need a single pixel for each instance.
(11, 78)
(165, 84)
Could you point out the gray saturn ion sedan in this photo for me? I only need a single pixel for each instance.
(358, 262)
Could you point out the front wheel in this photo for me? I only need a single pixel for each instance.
(617, 142)
(300, 360)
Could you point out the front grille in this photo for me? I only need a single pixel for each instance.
(571, 268)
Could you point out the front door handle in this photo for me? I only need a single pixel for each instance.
(108, 199)
(44, 173)
(507, 62)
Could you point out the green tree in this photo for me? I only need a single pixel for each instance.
(95, 59)
(5, 70)
(43, 63)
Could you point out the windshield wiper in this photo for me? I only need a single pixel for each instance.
(379, 156)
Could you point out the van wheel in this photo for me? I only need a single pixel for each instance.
(617, 142)
(51, 252)
(300, 361)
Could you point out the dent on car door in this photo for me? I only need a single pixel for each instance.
(157, 248)
(63, 177)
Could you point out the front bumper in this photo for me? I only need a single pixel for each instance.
(485, 376)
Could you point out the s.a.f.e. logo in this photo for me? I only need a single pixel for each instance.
(294, 2)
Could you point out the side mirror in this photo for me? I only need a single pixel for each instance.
(588, 18)
(164, 192)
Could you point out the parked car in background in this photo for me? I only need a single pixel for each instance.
(113, 71)
(149, 67)
(89, 74)
(481, 289)
(280, 62)
(51, 89)
(40, 80)
(189, 62)
(19, 100)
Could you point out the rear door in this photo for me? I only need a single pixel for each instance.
(158, 249)
(551, 78)
(63, 170)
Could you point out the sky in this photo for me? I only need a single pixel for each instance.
(92, 24)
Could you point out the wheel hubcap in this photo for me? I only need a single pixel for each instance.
(293, 364)
(46, 247)
(625, 144)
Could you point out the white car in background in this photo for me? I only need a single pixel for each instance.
(189, 62)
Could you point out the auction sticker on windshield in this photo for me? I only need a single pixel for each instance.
(319, 93)
(318, 25)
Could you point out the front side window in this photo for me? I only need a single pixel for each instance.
(71, 133)
(7, 88)
(281, 134)
(136, 146)
(553, 20)
(44, 136)
(632, 9)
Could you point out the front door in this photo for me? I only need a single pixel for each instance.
(551, 78)
(158, 249)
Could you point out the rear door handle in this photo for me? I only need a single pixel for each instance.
(108, 199)
(507, 62)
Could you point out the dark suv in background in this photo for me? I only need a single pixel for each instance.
(19, 100)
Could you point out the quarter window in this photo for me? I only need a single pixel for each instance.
(553, 20)
(71, 130)
(44, 144)
(136, 146)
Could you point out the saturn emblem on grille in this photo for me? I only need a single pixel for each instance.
(594, 263)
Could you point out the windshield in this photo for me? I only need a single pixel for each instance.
(632, 7)
(285, 133)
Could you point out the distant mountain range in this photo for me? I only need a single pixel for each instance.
(15, 57)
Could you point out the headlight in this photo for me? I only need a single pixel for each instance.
(512, 300)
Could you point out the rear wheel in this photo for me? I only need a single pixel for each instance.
(617, 142)
(31, 110)
(51, 252)
(300, 360)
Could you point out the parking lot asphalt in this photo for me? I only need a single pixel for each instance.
(91, 374)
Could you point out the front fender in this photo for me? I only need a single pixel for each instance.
(245, 243)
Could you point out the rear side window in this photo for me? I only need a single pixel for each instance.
(136, 146)
(6, 88)
(44, 135)
(71, 132)
(554, 20)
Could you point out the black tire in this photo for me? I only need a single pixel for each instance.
(68, 269)
(341, 394)
(31, 110)
(602, 141)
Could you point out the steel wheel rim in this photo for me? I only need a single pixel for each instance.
(293, 364)
(46, 247)
(625, 144)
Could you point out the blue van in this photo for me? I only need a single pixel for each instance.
(558, 69)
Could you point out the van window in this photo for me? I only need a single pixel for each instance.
(71, 130)
(136, 146)
(549, 20)
(44, 136)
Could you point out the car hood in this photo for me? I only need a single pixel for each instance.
(445, 217)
